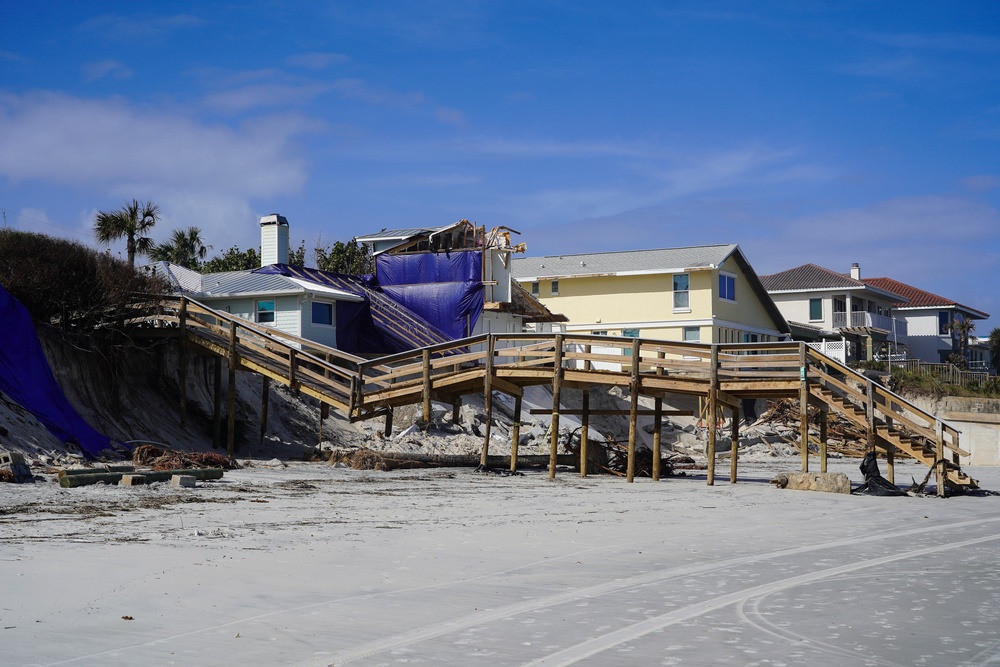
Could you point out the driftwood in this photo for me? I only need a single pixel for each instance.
(167, 459)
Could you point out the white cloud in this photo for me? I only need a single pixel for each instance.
(357, 89)
(106, 68)
(263, 96)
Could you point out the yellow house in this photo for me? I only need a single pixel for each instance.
(707, 294)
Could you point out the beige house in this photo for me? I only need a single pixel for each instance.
(707, 294)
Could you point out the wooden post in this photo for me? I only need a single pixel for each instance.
(870, 413)
(557, 375)
(713, 413)
(657, 427)
(324, 412)
(488, 400)
(633, 415)
(231, 417)
(890, 463)
(939, 464)
(182, 362)
(824, 414)
(804, 406)
(387, 427)
(265, 393)
(427, 385)
(217, 403)
(584, 431)
(734, 444)
(456, 410)
(292, 382)
(515, 434)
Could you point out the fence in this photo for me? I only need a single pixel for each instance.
(946, 373)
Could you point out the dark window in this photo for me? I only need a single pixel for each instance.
(815, 309)
(265, 312)
(944, 322)
(322, 313)
(727, 287)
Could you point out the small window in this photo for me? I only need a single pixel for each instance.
(555, 288)
(692, 334)
(602, 332)
(682, 300)
(265, 312)
(322, 313)
(534, 288)
(750, 338)
(727, 287)
(815, 309)
(630, 333)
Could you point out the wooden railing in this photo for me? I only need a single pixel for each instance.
(946, 373)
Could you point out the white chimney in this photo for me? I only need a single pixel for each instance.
(855, 268)
(273, 240)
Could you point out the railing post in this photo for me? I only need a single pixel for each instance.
(557, 376)
(939, 464)
(804, 405)
(634, 385)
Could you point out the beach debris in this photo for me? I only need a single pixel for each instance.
(611, 456)
(167, 459)
(875, 484)
(70, 479)
(829, 482)
(14, 469)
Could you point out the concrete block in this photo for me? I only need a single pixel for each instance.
(132, 480)
(831, 482)
(183, 480)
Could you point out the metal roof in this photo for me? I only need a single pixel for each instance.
(624, 262)
(396, 234)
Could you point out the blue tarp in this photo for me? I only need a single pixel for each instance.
(25, 377)
(444, 288)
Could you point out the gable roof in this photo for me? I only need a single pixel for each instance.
(918, 298)
(623, 262)
(811, 277)
(226, 284)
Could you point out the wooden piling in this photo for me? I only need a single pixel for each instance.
(515, 434)
(217, 402)
(231, 416)
(734, 444)
(557, 376)
(584, 430)
(804, 406)
(713, 413)
(824, 415)
(426, 359)
(182, 362)
(657, 435)
(633, 417)
(487, 400)
(324, 412)
(265, 395)
(387, 427)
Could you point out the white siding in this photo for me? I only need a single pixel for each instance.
(325, 335)
(288, 317)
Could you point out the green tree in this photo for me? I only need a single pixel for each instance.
(298, 257)
(131, 222)
(233, 259)
(185, 248)
(352, 258)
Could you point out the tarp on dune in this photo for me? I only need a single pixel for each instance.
(25, 377)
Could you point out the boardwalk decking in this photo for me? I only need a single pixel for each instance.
(720, 373)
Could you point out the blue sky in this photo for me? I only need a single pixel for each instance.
(805, 131)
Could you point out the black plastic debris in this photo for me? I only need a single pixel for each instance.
(875, 484)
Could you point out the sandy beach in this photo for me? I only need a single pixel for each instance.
(308, 564)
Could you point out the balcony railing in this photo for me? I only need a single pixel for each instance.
(862, 319)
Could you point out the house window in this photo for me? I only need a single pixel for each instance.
(629, 333)
(750, 338)
(322, 313)
(602, 332)
(555, 288)
(265, 312)
(944, 322)
(534, 288)
(727, 287)
(692, 334)
(815, 309)
(682, 297)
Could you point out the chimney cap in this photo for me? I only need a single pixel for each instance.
(274, 219)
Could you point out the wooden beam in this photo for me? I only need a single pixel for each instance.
(216, 402)
(324, 412)
(644, 412)
(231, 417)
(387, 427)
(824, 415)
(426, 388)
(557, 377)
(182, 363)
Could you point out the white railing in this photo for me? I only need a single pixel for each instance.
(835, 349)
(861, 319)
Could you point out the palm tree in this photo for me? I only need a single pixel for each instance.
(962, 327)
(131, 222)
(185, 248)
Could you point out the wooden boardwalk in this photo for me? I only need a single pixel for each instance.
(722, 374)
